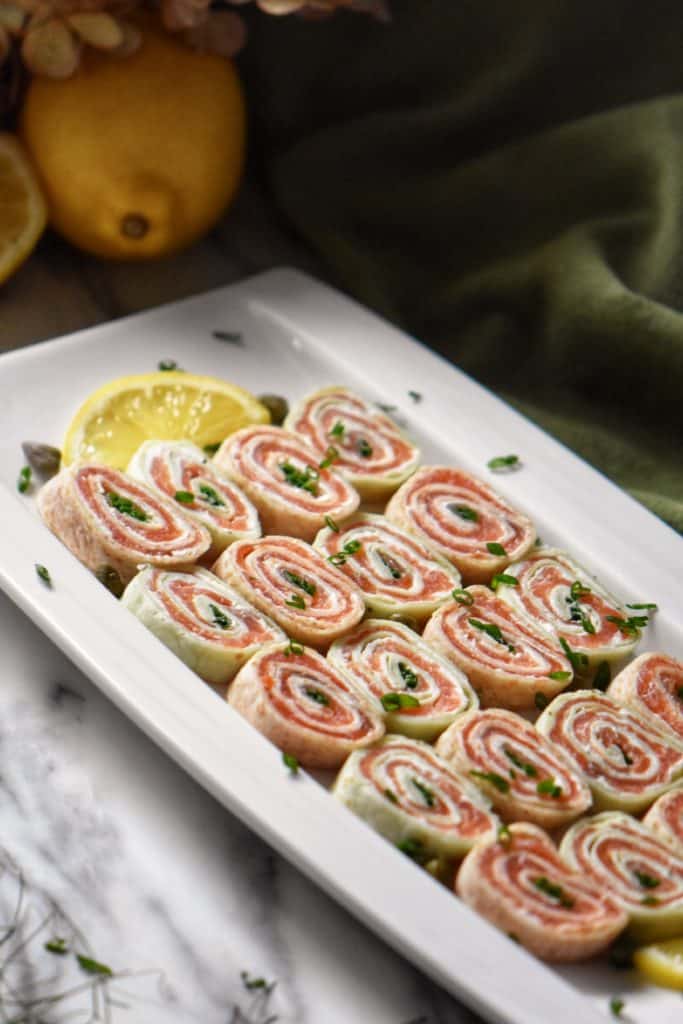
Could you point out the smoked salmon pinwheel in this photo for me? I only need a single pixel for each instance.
(404, 790)
(525, 778)
(626, 762)
(653, 686)
(293, 489)
(360, 440)
(510, 662)
(639, 872)
(295, 698)
(420, 692)
(181, 471)
(202, 620)
(397, 574)
(519, 883)
(558, 594)
(665, 819)
(463, 519)
(294, 585)
(108, 520)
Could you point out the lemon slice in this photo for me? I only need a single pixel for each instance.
(22, 207)
(171, 405)
(662, 963)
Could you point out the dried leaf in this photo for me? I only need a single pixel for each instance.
(50, 49)
(97, 29)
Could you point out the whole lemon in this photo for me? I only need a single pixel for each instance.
(138, 156)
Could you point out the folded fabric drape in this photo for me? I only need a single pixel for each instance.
(505, 181)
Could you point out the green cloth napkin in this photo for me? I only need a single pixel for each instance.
(505, 181)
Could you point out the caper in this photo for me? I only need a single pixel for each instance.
(109, 577)
(277, 406)
(42, 458)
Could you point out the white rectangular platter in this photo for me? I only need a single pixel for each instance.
(298, 335)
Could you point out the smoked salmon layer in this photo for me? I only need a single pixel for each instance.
(397, 574)
(653, 686)
(181, 471)
(556, 593)
(357, 438)
(519, 883)
(510, 662)
(418, 692)
(294, 585)
(639, 872)
(206, 623)
(293, 489)
(523, 775)
(404, 791)
(463, 519)
(665, 819)
(297, 700)
(110, 521)
(626, 762)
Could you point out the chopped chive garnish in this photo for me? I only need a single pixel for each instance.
(407, 675)
(305, 479)
(587, 625)
(647, 881)
(167, 364)
(364, 449)
(126, 506)
(550, 787)
(540, 700)
(503, 579)
(43, 574)
(219, 619)
(630, 626)
(291, 762)
(504, 835)
(462, 597)
(57, 946)
(184, 497)
(616, 1005)
(390, 565)
(330, 523)
(339, 558)
(559, 676)
(299, 581)
(556, 892)
(578, 589)
(252, 984)
(211, 449)
(426, 792)
(391, 796)
(233, 337)
(294, 648)
(503, 462)
(350, 548)
(393, 701)
(649, 901)
(90, 966)
(602, 677)
(465, 512)
(624, 753)
(646, 606)
(24, 479)
(210, 495)
(415, 395)
(679, 692)
(524, 766)
(331, 454)
(385, 408)
(495, 548)
(338, 430)
(412, 848)
(493, 631)
(577, 660)
(501, 784)
(317, 695)
(295, 601)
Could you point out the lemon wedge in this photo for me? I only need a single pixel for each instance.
(169, 405)
(662, 963)
(22, 207)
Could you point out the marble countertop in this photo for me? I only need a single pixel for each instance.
(106, 843)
